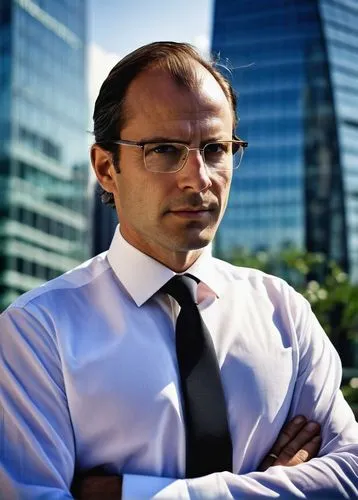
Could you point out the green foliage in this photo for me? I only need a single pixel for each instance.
(350, 394)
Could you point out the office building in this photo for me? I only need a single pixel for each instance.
(294, 65)
(43, 142)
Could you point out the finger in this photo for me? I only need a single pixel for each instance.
(313, 446)
(304, 454)
(294, 445)
(304, 436)
(266, 463)
(288, 433)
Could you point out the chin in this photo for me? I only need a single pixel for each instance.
(196, 243)
(188, 240)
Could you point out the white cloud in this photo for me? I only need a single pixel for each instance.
(100, 62)
(202, 43)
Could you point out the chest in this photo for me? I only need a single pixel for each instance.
(122, 381)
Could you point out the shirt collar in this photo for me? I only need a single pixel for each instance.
(143, 276)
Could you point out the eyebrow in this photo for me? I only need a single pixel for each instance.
(151, 140)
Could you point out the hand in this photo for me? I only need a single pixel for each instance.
(96, 485)
(298, 442)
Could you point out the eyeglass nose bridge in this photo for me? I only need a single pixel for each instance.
(187, 152)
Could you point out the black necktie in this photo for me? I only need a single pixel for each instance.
(208, 441)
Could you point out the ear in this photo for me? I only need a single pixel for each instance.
(102, 165)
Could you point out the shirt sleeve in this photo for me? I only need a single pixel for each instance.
(37, 448)
(36, 440)
(317, 395)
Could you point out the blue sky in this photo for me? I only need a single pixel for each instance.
(116, 27)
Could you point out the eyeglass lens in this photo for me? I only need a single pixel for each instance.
(170, 157)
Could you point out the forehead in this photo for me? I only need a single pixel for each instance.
(155, 99)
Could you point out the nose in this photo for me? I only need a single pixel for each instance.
(194, 175)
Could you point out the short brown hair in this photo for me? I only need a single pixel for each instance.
(175, 58)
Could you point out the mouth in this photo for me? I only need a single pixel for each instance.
(192, 213)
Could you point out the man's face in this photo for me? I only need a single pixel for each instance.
(171, 216)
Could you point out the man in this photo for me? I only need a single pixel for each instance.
(93, 376)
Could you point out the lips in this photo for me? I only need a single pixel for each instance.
(192, 209)
(199, 206)
(191, 213)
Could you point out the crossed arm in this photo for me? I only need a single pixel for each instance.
(38, 448)
(298, 442)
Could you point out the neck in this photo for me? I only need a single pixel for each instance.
(177, 261)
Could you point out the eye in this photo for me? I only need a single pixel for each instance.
(163, 149)
(217, 147)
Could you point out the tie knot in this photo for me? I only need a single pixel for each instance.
(179, 287)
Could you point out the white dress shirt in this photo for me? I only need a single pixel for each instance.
(89, 377)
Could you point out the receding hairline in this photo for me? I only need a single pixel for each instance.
(198, 73)
(174, 57)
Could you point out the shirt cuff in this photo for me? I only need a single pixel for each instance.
(160, 488)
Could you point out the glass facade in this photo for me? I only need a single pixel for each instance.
(43, 142)
(294, 67)
(340, 29)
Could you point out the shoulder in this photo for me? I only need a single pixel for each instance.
(258, 283)
(259, 294)
(254, 277)
(74, 280)
(53, 314)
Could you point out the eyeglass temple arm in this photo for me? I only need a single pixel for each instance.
(244, 144)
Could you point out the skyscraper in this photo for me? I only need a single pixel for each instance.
(294, 65)
(43, 144)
